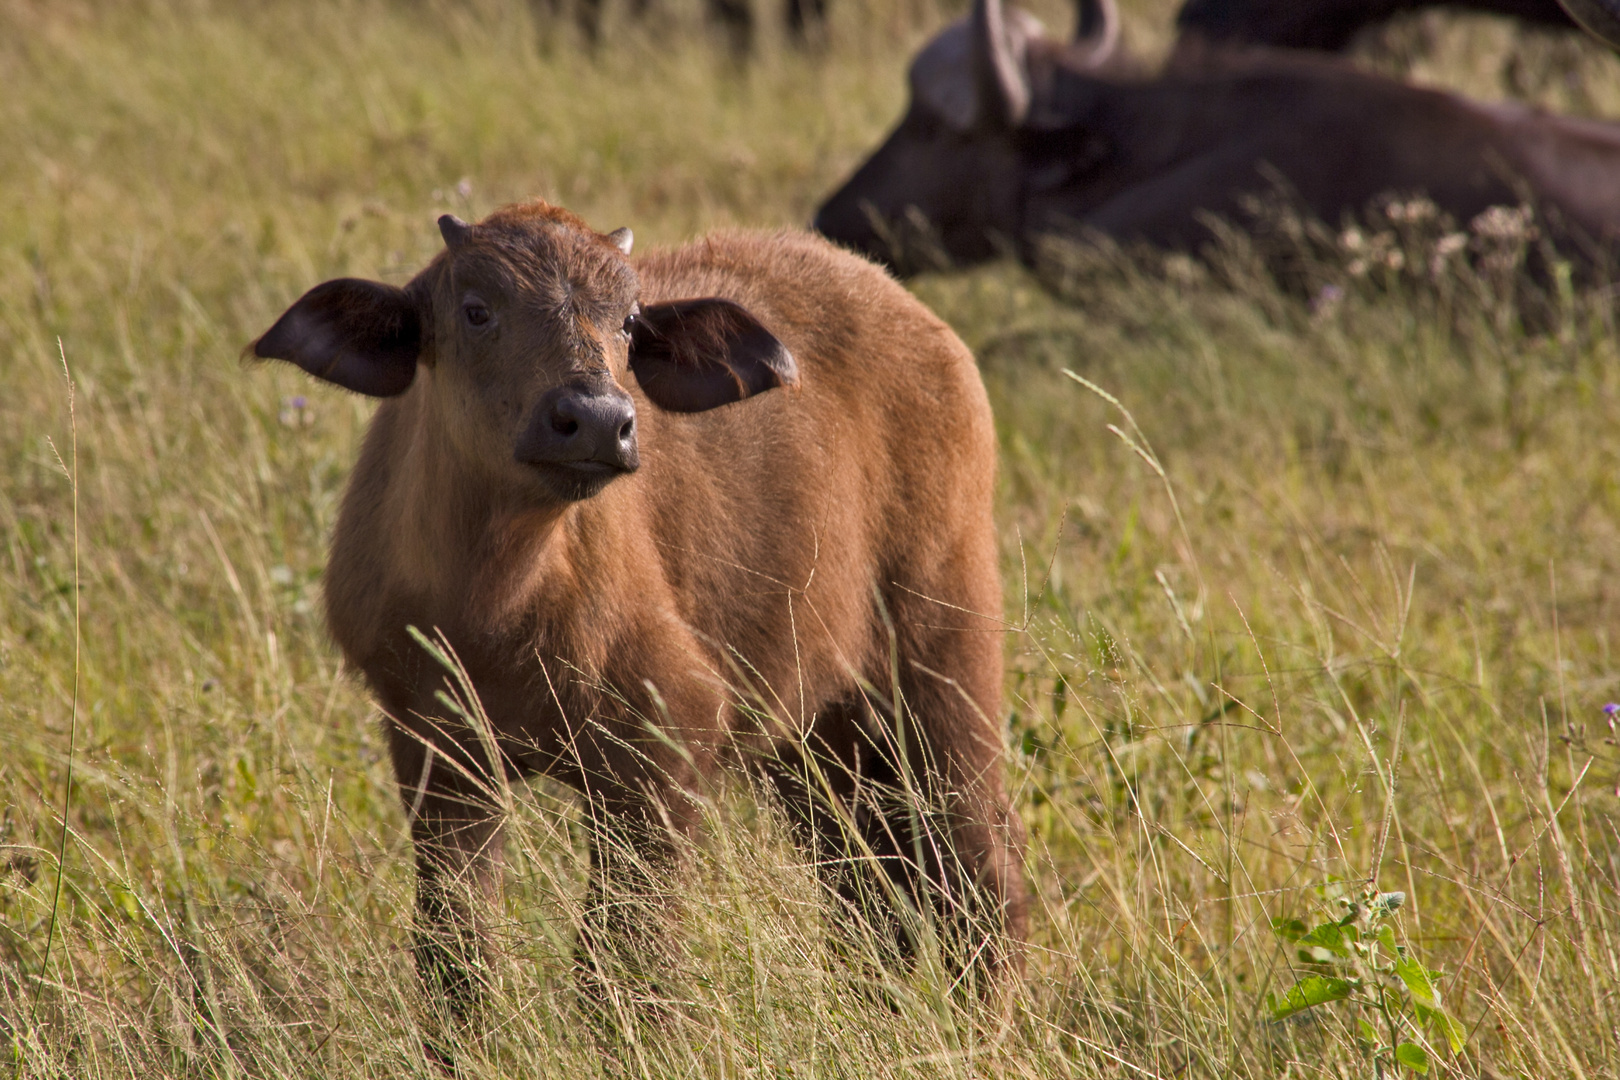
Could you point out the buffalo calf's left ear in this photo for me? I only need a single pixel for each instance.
(361, 335)
(695, 355)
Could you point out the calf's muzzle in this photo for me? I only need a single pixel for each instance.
(581, 435)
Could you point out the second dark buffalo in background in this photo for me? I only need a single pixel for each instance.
(1332, 24)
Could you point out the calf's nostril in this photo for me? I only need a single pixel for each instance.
(573, 426)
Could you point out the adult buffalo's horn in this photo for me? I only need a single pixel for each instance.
(1098, 29)
(998, 67)
(454, 230)
(1600, 18)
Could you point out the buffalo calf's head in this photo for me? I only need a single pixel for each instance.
(518, 340)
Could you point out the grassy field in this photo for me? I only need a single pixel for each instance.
(1312, 590)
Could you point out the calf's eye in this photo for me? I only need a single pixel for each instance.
(475, 314)
(630, 321)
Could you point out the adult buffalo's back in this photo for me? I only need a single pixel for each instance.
(1206, 137)
(1333, 24)
(1012, 136)
(667, 513)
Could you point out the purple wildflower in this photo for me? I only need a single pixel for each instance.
(295, 412)
(1326, 299)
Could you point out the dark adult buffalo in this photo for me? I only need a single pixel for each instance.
(1011, 136)
(668, 513)
(1332, 24)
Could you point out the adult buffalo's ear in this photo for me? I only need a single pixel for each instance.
(362, 335)
(692, 355)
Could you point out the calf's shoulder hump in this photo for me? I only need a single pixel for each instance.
(833, 309)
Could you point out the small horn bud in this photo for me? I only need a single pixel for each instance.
(454, 230)
(622, 239)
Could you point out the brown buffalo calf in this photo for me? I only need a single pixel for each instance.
(667, 513)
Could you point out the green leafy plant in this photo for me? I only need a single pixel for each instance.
(1355, 958)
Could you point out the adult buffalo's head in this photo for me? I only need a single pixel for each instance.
(516, 342)
(945, 185)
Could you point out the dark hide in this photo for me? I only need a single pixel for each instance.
(1332, 24)
(1145, 159)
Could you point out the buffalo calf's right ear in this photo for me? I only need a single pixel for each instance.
(361, 335)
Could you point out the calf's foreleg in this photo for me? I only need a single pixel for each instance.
(452, 801)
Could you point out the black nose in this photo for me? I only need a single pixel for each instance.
(582, 428)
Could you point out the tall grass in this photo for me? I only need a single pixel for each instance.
(1318, 591)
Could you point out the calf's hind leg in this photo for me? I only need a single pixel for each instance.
(915, 813)
(966, 844)
(833, 787)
